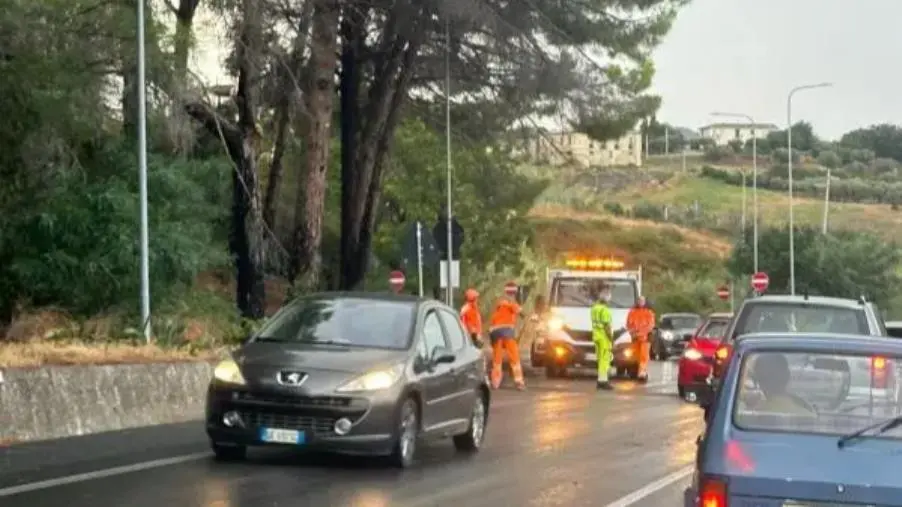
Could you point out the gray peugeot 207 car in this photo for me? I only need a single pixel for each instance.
(354, 373)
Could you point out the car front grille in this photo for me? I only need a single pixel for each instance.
(305, 401)
(267, 419)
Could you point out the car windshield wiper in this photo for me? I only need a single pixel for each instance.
(879, 429)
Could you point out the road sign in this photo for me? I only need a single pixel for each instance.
(510, 288)
(723, 292)
(760, 281)
(428, 249)
(396, 280)
(443, 274)
(440, 233)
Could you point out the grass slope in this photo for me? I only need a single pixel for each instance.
(721, 198)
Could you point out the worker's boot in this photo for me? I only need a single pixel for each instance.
(604, 385)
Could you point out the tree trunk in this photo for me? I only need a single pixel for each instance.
(179, 127)
(362, 169)
(319, 96)
(289, 83)
(246, 236)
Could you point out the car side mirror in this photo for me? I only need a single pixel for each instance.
(443, 356)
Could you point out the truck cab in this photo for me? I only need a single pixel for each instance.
(564, 339)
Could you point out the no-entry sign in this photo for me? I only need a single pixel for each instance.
(723, 292)
(760, 281)
(396, 280)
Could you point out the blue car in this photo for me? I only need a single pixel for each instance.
(797, 423)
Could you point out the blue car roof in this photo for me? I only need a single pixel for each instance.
(848, 343)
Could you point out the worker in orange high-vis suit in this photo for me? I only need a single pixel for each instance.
(471, 318)
(640, 322)
(503, 334)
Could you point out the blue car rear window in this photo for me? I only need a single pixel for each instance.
(821, 393)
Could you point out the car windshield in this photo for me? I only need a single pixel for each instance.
(824, 393)
(343, 321)
(681, 322)
(580, 292)
(714, 329)
(800, 318)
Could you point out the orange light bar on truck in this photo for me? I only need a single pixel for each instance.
(595, 264)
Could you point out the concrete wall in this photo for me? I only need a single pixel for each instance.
(64, 401)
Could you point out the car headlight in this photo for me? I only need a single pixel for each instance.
(692, 354)
(374, 380)
(627, 352)
(555, 324)
(228, 372)
(667, 335)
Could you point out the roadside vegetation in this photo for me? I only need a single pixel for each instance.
(252, 195)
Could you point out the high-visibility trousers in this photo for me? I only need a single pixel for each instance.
(643, 350)
(512, 348)
(604, 352)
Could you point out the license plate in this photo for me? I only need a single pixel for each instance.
(277, 436)
(591, 357)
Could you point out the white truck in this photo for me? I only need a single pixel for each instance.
(564, 339)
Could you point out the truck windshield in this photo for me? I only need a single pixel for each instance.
(580, 292)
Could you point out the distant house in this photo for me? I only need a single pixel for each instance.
(575, 147)
(723, 133)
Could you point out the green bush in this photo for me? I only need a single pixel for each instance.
(79, 249)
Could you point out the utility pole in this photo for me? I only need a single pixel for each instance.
(826, 202)
(142, 178)
(449, 295)
(792, 251)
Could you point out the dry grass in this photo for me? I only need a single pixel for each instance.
(691, 239)
(35, 354)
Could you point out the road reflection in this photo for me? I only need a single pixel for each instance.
(216, 492)
(369, 498)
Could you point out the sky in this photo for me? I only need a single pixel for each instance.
(743, 56)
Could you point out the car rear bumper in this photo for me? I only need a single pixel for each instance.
(373, 419)
(693, 373)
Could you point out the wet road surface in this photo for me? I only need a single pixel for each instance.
(560, 443)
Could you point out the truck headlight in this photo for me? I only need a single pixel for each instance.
(555, 324)
(667, 335)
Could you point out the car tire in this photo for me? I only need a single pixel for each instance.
(471, 440)
(682, 392)
(408, 430)
(223, 452)
(663, 356)
(534, 359)
(554, 371)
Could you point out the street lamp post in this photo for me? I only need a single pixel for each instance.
(754, 184)
(142, 178)
(792, 252)
(449, 295)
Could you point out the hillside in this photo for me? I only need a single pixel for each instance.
(719, 198)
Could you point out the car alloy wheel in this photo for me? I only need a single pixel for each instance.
(471, 440)
(407, 434)
(477, 422)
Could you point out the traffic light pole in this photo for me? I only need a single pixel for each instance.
(449, 294)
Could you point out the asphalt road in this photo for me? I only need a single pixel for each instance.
(558, 443)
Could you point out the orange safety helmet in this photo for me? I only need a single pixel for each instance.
(510, 288)
(471, 295)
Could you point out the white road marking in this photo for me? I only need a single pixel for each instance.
(651, 488)
(100, 474)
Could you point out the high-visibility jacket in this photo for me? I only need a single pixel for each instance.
(505, 315)
(601, 317)
(471, 318)
(640, 321)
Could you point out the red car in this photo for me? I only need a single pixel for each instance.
(696, 361)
